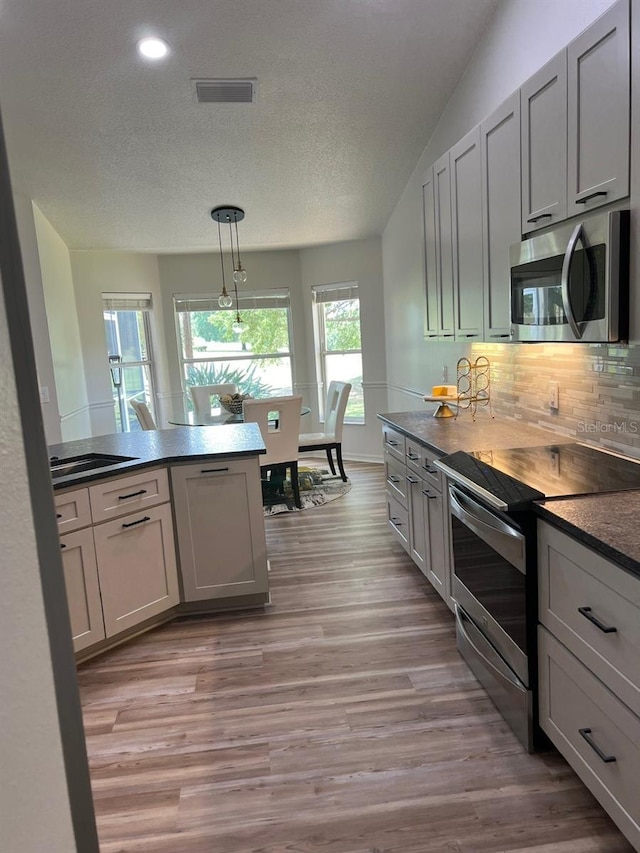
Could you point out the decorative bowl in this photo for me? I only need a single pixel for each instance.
(233, 402)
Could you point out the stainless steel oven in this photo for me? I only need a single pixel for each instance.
(492, 497)
(493, 604)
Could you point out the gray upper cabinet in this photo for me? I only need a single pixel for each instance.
(466, 217)
(430, 267)
(500, 148)
(444, 248)
(543, 101)
(599, 112)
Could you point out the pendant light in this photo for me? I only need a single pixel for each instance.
(231, 215)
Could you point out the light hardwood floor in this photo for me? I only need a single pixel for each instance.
(339, 720)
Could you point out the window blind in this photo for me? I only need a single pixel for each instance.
(126, 301)
(335, 292)
(246, 301)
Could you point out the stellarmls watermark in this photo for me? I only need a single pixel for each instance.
(596, 427)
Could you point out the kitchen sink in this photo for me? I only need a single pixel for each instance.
(87, 462)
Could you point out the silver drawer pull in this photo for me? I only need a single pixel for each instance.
(606, 629)
(429, 470)
(428, 495)
(393, 479)
(412, 480)
(392, 442)
(412, 457)
(594, 746)
(396, 521)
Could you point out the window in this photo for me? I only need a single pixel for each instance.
(339, 341)
(259, 361)
(128, 332)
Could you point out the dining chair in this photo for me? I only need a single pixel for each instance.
(144, 416)
(331, 438)
(279, 422)
(201, 397)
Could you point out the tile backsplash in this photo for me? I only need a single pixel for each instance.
(599, 389)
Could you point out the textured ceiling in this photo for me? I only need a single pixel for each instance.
(118, 155)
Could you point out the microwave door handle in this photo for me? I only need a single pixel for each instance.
(564, 281)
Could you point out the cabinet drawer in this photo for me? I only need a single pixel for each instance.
(398, 521)
(396, 479)
(394, 443)
(593, 607)
(72, 510)
(588, 724)
(431, 476)
(414, 454)
(112, 498)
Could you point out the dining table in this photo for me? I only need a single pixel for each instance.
(218, 417)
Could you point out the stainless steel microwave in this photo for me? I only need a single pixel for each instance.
(572, 283)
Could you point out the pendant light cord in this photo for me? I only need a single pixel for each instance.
(224, 286)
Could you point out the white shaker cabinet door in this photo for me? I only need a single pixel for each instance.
(500, 140)
(543, 103)
(599, 112)
(220, 528)
(82, 587)
(137, 567)
(432, 289)
(466, 219)
(444, 246)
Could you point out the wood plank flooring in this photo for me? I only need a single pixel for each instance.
(339, 720)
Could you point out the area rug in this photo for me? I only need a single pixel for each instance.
(317, 487)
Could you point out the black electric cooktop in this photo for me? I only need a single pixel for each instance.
(524, 474)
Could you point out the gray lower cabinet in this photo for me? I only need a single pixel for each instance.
(589, 647)
(118, 554)
(83, 588)
(416, 508)
(220, 524)
(137, 567)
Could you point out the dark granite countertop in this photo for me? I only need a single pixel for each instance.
(607, 523)
(159, 447)
(446, 435)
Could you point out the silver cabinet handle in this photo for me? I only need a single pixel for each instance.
(412, 480)
(540, 216)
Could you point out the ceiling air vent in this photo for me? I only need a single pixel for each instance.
(225, 91)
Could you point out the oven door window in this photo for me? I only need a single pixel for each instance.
(536, 289)
(492, 580)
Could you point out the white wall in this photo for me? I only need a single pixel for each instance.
(95, 273)
(521, 37)
(35, 809)
(64, 330)
(24, 210)
(359, 261)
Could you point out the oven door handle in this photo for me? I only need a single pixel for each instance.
(506, 540)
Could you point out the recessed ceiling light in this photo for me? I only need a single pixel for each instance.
(153, 48)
